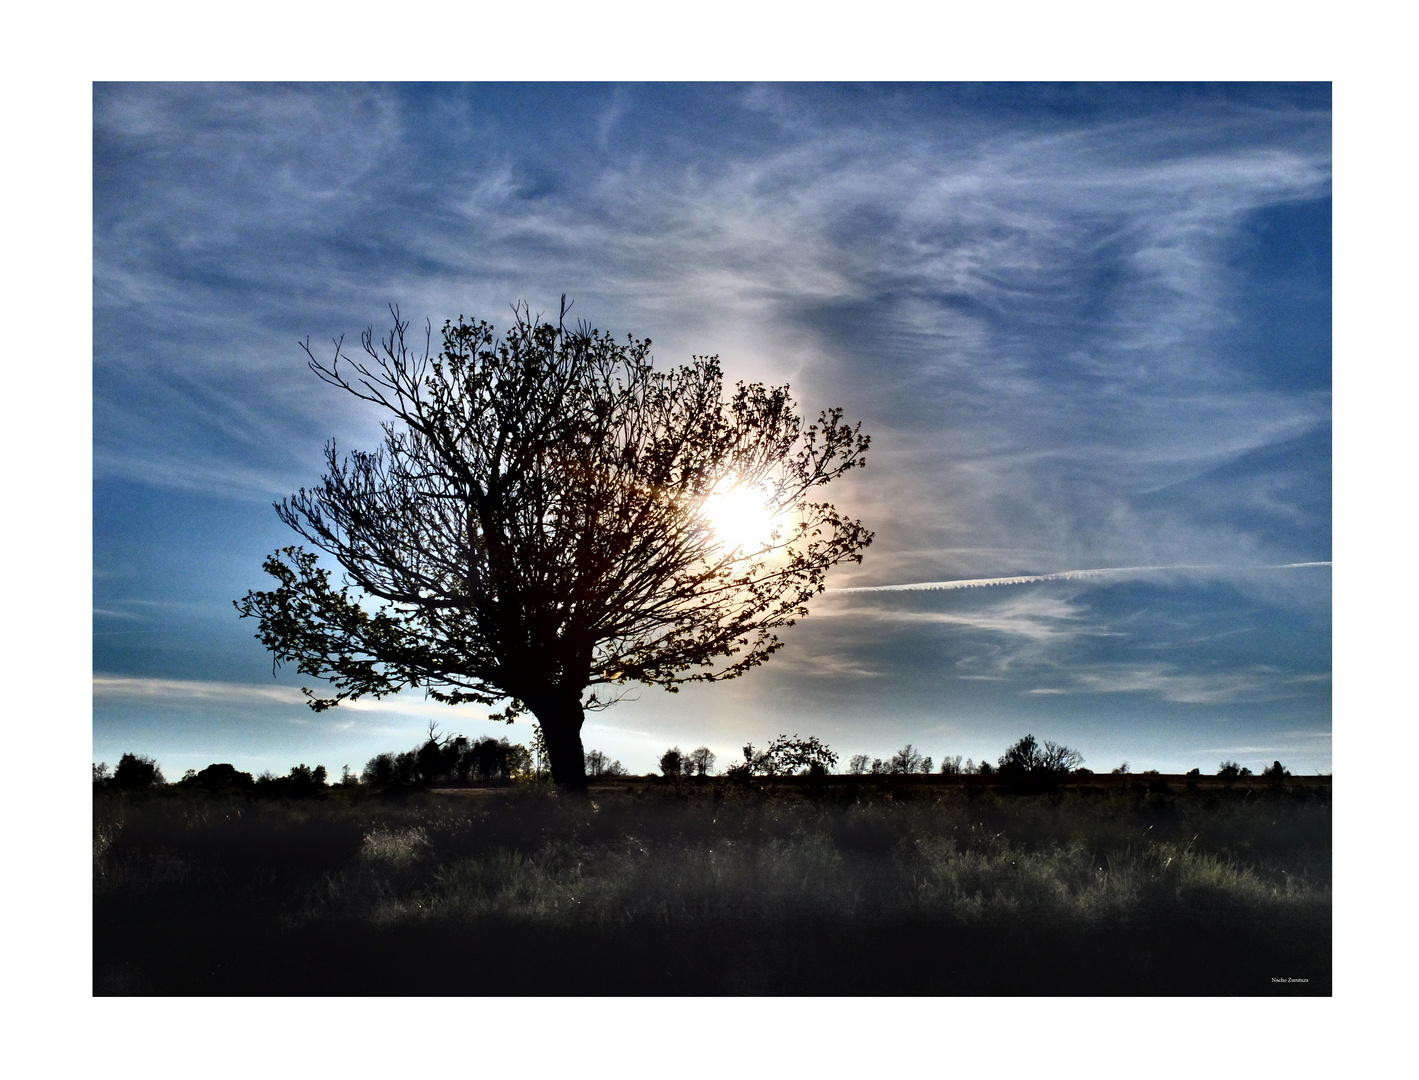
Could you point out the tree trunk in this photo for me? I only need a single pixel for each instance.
(560, 714)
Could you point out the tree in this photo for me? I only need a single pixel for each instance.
(672, 763)
(787, 755)
(1034, 765)
(701, 761)
(547, 517)
(905, 760)
(224, 775)
(857, 765)
(600, 764)
(136, 772)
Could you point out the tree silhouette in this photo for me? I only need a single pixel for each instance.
(672, 763)
(1032, 765)
(135, 772)
(700, 761)
(541, 521)
(906, 760)
(599, 764)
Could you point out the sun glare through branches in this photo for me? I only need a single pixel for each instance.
(739, 517)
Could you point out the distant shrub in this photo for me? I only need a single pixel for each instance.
(135, 773)
(951, 766)
(102, 774)
(1230, 770)
(1194, 772)
(1122, 770)
(985, 768)
(1275, 773)
(857, 764)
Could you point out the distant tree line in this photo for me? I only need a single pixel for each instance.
(455, 761)
(440, 760)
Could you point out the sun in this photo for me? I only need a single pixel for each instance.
(739, 517)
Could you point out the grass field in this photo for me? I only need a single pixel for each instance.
(1136, 885)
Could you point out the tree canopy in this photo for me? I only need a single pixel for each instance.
(550, 518)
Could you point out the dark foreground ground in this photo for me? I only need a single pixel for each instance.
(862, 889)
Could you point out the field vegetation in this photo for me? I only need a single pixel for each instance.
(742, 884)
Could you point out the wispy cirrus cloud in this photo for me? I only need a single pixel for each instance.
(107, 687)
(1172, 682)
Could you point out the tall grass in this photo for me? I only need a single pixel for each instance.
(720, 860)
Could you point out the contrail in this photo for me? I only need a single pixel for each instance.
(1063, 575)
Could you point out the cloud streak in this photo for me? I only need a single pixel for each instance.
(1118, 572)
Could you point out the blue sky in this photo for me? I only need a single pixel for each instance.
(1087, 326)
